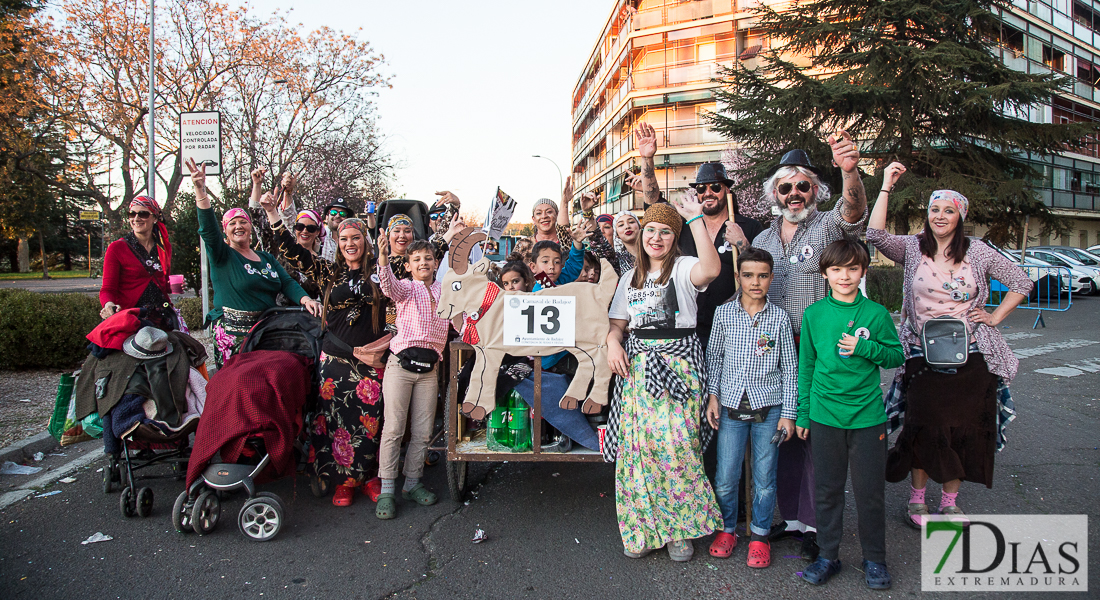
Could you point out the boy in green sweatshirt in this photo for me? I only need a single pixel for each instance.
(846, 338)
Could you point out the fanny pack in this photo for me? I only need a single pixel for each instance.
(417, 360)
(944, 341)
(744, 413)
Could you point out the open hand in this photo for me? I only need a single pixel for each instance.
(312, 306)
(891, 174)
(582, 231)
(383, 246)
(688, 205)
(980, 315)
(616, 359)
(714, 411)
(588, 201)
(446, 197)
(645, 139)
(845, 152)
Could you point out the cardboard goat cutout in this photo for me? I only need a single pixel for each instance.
(466, 288)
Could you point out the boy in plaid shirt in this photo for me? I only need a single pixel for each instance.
(752, 368)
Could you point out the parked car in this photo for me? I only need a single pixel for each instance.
(1062, 259)
(1094, 249)
(1084, 256)
(1038, 271)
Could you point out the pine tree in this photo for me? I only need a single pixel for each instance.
(913, 81)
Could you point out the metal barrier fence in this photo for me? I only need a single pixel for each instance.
(1053, 290)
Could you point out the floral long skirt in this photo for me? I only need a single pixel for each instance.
(226, 342)
(347, 427)
(661, 491)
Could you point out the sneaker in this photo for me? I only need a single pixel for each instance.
(877, 576)
(779, 531)
(723, 545)
(760, 555)
(917, 512)
(562, 445)
(820, 571)
(809, 546)
(680, 550)
(644, 552)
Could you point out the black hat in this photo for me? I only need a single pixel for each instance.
(796, 158)
(337, 203)
(712, 172)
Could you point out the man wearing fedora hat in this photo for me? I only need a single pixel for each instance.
(795, 242)
(727, 231)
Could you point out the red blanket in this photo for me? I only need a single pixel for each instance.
(256, 394)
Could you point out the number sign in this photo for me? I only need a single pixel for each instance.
(540, 321)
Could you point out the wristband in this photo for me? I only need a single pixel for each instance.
(884, 192)
(588, 214)
(693, 219)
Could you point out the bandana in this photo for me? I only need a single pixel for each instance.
(621, 215)
(233, 213)
(960, 201)
(353, 223)
(160, 231)
(399, 220)
(316, 218)
(605, 219)
(544, 201)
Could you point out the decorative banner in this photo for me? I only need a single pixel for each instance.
(500, 212)
(89, 215)
(540, 321)
(201, 139)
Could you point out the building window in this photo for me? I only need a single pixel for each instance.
(1013, 39)
(1088, 73)
(1084, 15)
(1053, 58)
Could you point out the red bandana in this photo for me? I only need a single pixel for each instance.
(469, 334)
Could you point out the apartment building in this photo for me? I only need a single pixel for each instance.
(654, 61)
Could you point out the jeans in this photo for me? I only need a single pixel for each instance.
(732, 438)
(573, 423)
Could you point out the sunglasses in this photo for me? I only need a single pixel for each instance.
(339, 213)
(308, 228)
(141, 214)
(785, 188)
(702, 187)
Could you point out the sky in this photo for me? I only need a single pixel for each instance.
(478, 87)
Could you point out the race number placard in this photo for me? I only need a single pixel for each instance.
(540, 321)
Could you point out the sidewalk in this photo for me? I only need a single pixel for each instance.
(84, 285)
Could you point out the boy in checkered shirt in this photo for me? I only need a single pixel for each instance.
(752, 368)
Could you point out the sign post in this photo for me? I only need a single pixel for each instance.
(89, 216)
(201, 139)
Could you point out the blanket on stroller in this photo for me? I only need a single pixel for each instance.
(255, 394)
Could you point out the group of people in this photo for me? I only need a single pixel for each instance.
(718, 325)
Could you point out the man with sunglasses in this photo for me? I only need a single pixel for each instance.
(334, 214)
(796, 241)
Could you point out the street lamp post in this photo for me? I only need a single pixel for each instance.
(561, 182)
(152, 174)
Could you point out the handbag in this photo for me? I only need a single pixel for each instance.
(945, 341)
(417, 360)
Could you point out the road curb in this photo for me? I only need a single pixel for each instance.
(32, 487)
(25, 449)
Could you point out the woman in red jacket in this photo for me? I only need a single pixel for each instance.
(136, 267)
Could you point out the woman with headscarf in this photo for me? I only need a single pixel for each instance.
(136, 268)
(346, 430)
(246, 281)
(655, 435)
(953, 418)
(626, 229)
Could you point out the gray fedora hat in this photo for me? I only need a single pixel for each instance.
(148, 342)
(796, 158)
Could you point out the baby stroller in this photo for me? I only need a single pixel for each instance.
(255, 406)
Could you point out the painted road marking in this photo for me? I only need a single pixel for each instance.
(1052, 347)
(1022, 335)
(1091, 365)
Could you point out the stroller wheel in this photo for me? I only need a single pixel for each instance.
(144, 502)
(318, 485)
(205, 513)
(110, 477)
(126, 504)
(260, 519)
(181, 514)
(274, 498)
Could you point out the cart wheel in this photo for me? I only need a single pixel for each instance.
(260, 519)
(318, 485)
(205, 513)
(181, 514)
(126, 504)
(144, 502)
(110, 477)
(456, 479)
(274, 498)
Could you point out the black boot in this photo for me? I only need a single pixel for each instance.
(809, 546)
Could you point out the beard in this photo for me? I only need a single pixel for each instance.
(809, 208)
(719, 206)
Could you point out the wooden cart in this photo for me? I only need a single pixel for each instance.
(462, 448)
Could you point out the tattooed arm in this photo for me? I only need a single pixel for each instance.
(846, 156)
(645, 140)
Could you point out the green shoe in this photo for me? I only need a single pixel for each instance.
(420, 495)
(386, 507)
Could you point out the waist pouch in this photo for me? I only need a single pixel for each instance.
(756, 416)
(944, 341)
(417, 360)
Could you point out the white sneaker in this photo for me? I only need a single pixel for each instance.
(680, 550)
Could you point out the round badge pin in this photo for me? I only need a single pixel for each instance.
(374, 278)
(794, 260)
(864, 333)
(807, 251)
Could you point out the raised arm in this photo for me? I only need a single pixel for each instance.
(566, 202)
(846, 156)
(392, 287)
(890, 176)
(209, 229)
(645, 140)
(709, 266)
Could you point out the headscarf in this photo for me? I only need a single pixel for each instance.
(620, 215)
(399, 219)
(160, 231)
(606, 219)
(663, 213)
(312, 214)
(544, 201)
(353, 223)
(960, 201)
(233, 213)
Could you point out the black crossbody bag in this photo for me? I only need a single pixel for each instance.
(417, 360)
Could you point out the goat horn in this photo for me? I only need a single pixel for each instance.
(462, 245)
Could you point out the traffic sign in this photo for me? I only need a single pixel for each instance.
(89, 215)
(201, 139)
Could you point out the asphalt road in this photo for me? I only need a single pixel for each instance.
(551, 528)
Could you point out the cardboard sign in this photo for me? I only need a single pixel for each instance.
(540, 321)
(500, 213)
(201, 139)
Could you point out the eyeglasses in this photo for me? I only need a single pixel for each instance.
(785, 188)
(141, 214)
(336, 212)
(651, 231)
(702, 187)
(299, 227)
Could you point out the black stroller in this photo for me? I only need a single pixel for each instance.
(256, 404)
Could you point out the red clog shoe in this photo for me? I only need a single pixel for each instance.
(723, 545)
(372, 488)
(343, 496)
(760, 555)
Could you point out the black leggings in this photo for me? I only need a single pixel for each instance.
(833, 450)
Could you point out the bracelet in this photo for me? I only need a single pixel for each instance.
(693, 219)
(588, 214)
(884, 192)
